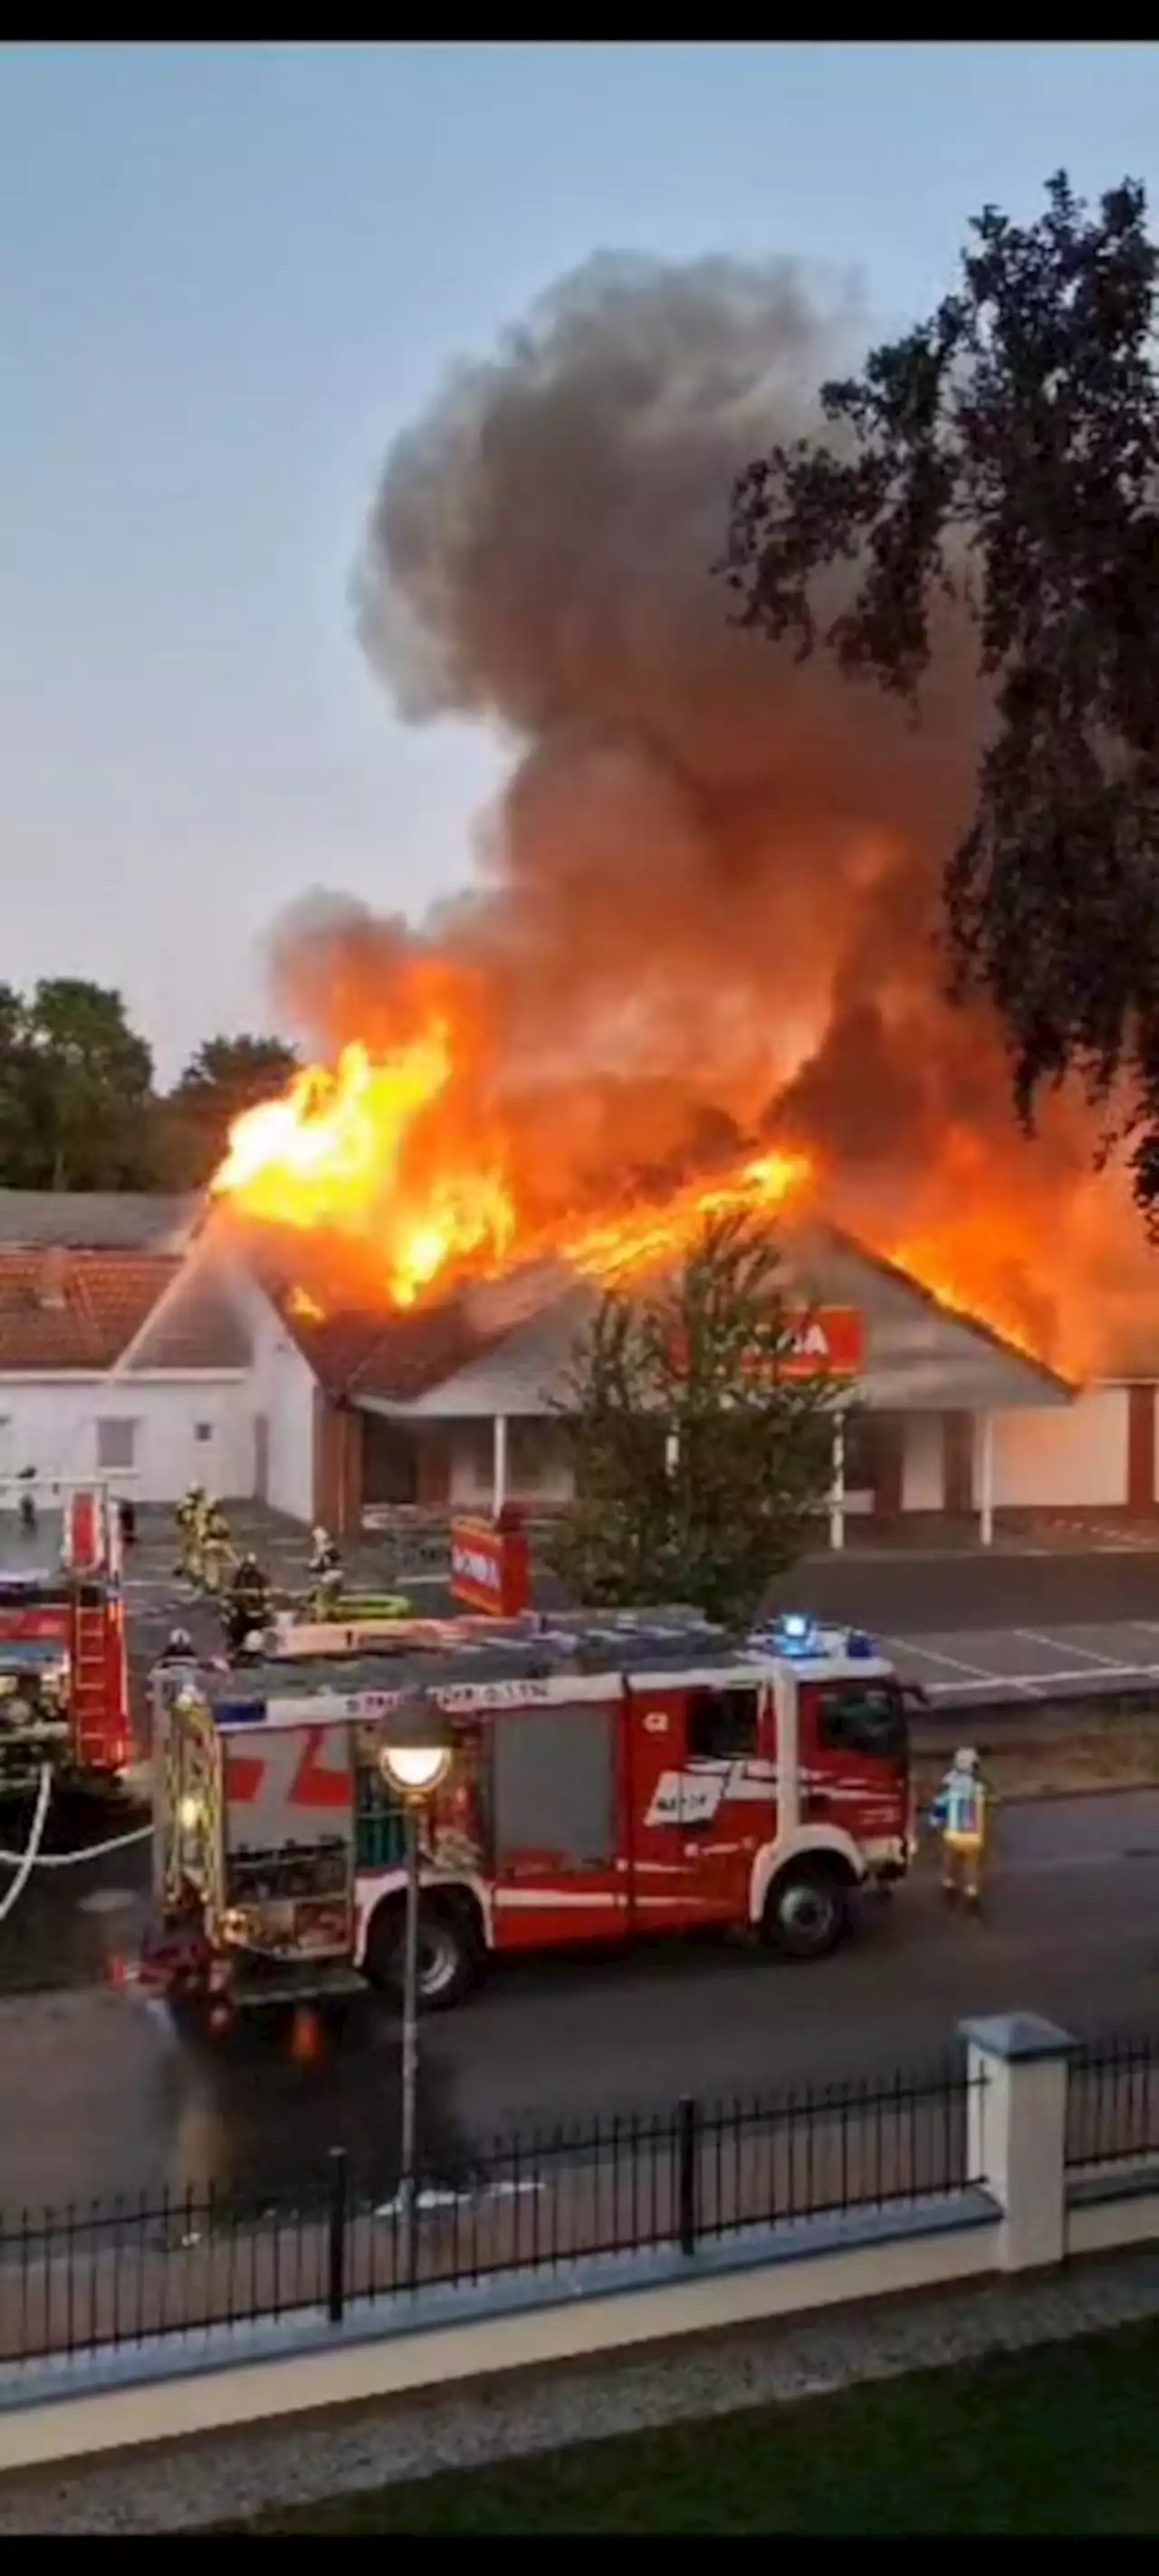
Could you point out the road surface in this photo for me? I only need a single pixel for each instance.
(98, 2098)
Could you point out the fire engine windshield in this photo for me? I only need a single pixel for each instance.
(867, 1717)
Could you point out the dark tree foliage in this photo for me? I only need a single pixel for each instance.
(698, 1358)
(1006, 452)
(75, 1090)
(226, 1076)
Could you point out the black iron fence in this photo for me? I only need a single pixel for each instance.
(114, 2273)
(1112, 2109)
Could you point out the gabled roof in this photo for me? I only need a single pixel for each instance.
(65, 1309)
(99, 1220)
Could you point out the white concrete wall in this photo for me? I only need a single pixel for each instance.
(53, 1427)
(1077, 1457)
(281, 1386)
(922, 1464)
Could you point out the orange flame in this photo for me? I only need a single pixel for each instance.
(352, 1152)
(392, 1153)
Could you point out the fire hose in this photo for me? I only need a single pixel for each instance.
(33, 1858)
(26, 1861)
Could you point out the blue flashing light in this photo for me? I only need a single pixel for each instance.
(792, 1634)
(858, 1645)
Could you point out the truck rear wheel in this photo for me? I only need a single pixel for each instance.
(806, 1912)
(450, 1951)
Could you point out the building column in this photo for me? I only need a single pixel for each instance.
(986, 1478)
(1141, 1490)
(498, 1464)
(837, 1486)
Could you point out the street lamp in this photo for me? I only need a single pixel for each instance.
(415, 1755)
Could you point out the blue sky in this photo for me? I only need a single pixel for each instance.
(230, 275)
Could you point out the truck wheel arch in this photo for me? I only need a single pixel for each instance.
(449, 1907)
(839, 1851)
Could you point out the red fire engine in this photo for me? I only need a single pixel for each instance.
(612, 1776)
(64, 1685)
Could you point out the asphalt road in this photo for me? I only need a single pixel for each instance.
(99, 2099)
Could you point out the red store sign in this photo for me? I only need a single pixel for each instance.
(822, 1338)
(489, 1568)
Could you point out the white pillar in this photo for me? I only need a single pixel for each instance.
(671, 1453)
(837, 1485)
(1017, 2070)
(986, 1477)
(499, 1464)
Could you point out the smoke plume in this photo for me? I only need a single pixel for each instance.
(708, 906)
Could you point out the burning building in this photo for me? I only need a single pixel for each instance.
(698, 958)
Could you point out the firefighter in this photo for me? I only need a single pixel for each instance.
(179, 1648)
(326, 1569)
(216, 1547)
(247, 1603)
(127, 1522)
(960, 1813)
(190, 1510)
(27, 1507)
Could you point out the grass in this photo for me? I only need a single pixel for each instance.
(1059, 2440)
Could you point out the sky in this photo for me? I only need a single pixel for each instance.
(231, 275)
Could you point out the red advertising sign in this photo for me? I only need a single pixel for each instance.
(489, 1568)
(828, 1337)
(819, 1338)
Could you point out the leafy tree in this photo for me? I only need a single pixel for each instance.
(1006, 452)
(226, 1076)
(698, 1360)
(75, 1090)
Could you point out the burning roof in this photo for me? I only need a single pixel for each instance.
(702, 935)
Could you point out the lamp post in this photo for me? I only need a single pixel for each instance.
(416, 1754)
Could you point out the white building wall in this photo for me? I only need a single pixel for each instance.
(184, 1428)
(1078, 1457)
(280, 1391)
(922, 1464)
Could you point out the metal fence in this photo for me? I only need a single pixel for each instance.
(114, 2273)
(1112, 2107)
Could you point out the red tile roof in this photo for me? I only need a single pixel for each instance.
(81, 1310)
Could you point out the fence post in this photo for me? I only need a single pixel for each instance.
(686, 2174)
(1017, 2070)
(336, 2239)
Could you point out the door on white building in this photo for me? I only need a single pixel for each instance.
(261, 1457)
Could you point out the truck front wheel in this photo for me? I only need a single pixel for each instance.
(450, 1951)
(806, 1911)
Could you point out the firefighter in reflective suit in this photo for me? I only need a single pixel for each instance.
(189, 1516)
(960, 1812)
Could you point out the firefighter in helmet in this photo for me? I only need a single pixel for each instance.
(216, 1547)
(189, 1518)
(248, 1602)
(960, 1812)
(326, 1573)
(178, 1648)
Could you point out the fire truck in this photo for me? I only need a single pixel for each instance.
(612, 1776)
(64, 1682)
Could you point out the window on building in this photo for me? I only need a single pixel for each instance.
(537, 1456)
(202, 1432)
(116, 1444)
(722, 1724)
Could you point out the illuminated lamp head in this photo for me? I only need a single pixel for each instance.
(417, 1747)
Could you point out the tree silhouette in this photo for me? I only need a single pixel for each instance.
(1006, 453)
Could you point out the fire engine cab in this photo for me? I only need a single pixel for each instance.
(613, 1775)
(64, 1687)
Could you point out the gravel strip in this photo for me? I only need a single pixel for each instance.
(180, 2486)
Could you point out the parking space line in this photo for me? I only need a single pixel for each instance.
(1064, 1646)
(952, 1663)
